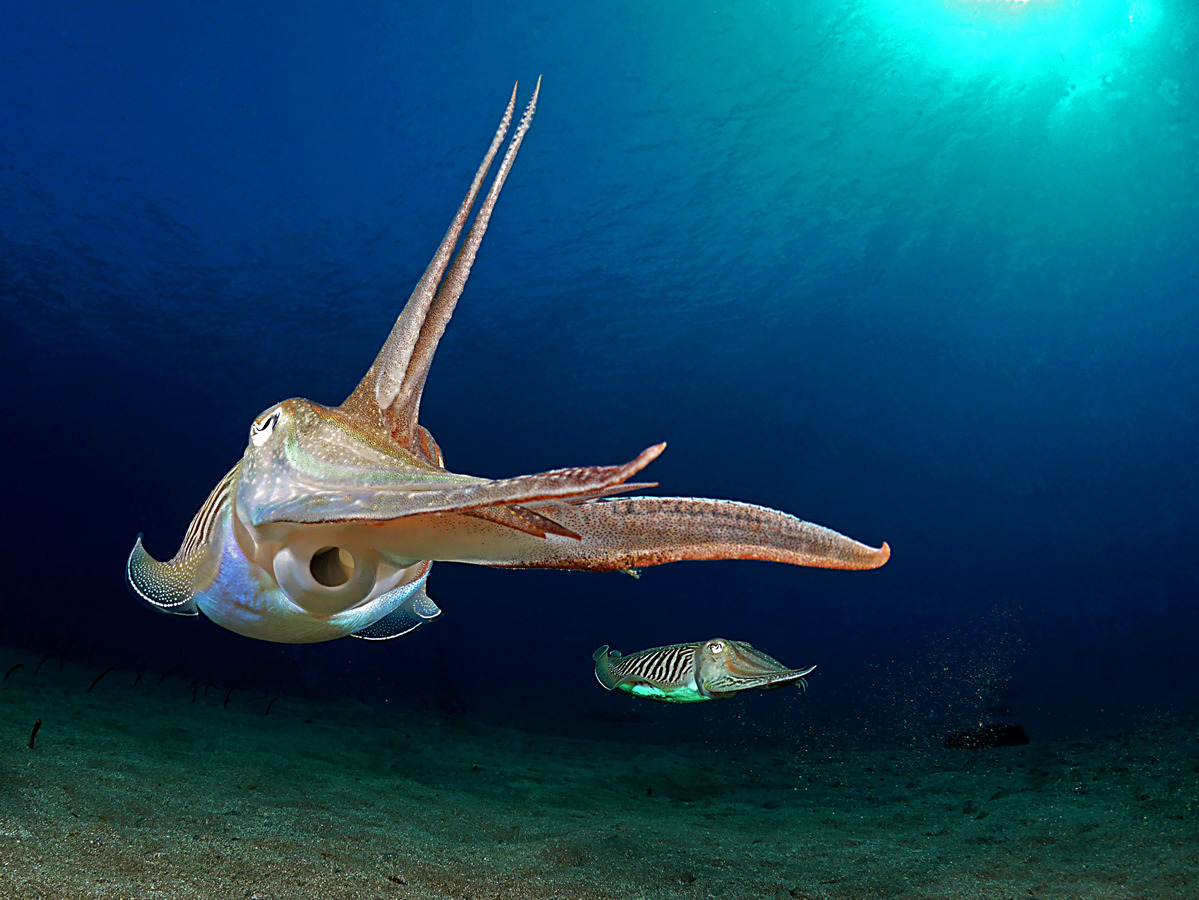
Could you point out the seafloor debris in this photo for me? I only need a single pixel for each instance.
(985, 737)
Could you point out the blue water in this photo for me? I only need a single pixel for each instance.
(923, 273)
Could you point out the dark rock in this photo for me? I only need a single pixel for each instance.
(984, 737)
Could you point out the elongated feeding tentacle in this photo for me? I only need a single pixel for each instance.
(635, 532)
(647, 531)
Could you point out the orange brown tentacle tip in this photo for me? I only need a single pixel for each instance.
(861, 557)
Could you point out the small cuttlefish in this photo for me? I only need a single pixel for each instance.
(691, 673)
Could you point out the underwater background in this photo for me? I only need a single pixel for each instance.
(924, 272)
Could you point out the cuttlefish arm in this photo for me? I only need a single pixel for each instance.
(691, 673)
(390, 392)
(309, 464)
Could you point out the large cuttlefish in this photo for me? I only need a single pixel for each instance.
(329, 523)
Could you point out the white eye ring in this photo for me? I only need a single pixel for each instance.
(716, 646)
(261, 431)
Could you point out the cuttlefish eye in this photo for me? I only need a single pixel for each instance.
(715, 647)
(261, 428)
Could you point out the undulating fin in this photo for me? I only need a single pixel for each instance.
(415, 612)
(166, 586)
(424, 607)
(171, 586)
(393, 625)
(604, 658)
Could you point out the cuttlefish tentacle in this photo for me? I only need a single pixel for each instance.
(630, 533)
(633, 532)
(330, 522)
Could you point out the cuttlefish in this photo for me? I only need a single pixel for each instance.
(330, 522)
(691, 673)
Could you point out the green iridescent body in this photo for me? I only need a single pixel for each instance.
(692, 673)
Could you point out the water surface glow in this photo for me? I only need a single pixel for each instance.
(1023, 37)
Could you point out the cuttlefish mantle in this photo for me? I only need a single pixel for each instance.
(330, 522)
(692, 673)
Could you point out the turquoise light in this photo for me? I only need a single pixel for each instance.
(1020, 37)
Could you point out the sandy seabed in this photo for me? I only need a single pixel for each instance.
(139, 792)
